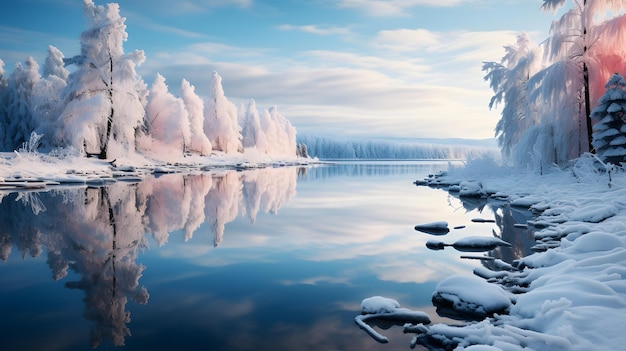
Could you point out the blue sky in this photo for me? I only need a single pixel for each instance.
(384, 68)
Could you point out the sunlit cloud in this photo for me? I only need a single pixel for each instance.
(317, 29)
(138, 19)
(393, 7)
(460, 43)
(186, 6)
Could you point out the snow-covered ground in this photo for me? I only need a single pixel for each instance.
(28, 170)
(571, 293)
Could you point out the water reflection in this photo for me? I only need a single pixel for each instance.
(98, 233)
(291, 281)
(509, 222)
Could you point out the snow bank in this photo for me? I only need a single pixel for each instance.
(571, 294)
(28, 169)
(383, 308)
(469, 298)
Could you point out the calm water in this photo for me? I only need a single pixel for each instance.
(270, 259)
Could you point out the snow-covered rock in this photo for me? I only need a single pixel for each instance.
(383, 308)
(467, 296)
(434, 228)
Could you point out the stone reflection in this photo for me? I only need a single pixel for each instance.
(98, 233)
(510, 222)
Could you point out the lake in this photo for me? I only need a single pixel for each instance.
(267, 259)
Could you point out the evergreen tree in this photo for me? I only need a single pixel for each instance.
(221, 121)
(195, 109)
(609, 139)
(508, 81)
(106, 97)
(48, 103)
(168, 121)
(17, 115)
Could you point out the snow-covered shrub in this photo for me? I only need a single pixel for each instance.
(609, 130)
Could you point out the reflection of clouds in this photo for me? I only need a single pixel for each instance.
(103, 230)
(318, 280)
(363, 222)
(367, 220)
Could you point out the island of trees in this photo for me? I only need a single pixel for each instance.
(96, 104)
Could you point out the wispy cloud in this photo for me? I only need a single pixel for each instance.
(422, 40)
(418, 81)
(317, 29)
(195, 6)
(380, 8)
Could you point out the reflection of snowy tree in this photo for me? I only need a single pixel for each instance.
(98, 232)
(221, 203)
(197, 186)
(268, 189)
(104, 252)
(100, 237)
(167, 207)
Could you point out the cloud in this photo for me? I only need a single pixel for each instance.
(416, 83)
(430, 42)
(317, 29)
(185, 7)
(383, 8)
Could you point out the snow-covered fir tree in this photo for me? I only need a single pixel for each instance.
(198, 142)
(17, 112)
(48, 103)
(507, 79)
(253, 135)
(609, 130)
(167, 119)
(279, 134)
(221, 121)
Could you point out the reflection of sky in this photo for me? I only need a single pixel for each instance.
(305, 270)
(290, 280)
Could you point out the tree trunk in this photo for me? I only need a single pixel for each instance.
(587, 105)
(105, 143)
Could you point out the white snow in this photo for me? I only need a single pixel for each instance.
(471, 295)
(378, 307)
(480, 243)
(379, 304)
(21, 169)
(572, 295)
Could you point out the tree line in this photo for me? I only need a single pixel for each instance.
(103, 108)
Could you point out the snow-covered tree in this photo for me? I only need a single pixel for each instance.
(507, 79)
(585, 46)
(609, 131)
(106, 97)
(194, 106)
(168, 121)
(17, 113)
(48, 103)
(253, 135)
(280, 135)
(220, 122)
(54, 65)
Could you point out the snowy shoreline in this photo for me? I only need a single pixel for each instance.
(571, 293)
(28, 171)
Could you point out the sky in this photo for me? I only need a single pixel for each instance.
(368, 68)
